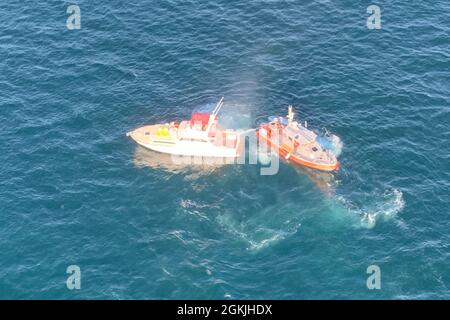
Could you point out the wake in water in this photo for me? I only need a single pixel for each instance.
(264, 228)
(384, 207)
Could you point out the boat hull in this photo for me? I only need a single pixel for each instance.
(181, 148)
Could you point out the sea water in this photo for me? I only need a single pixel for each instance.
(75, 191)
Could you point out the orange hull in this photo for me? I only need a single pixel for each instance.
(283, 151)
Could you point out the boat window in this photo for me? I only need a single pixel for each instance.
(314, 149)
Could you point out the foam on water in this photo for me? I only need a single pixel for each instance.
(262, 231)
(337, 145)
(384, 206)
(331, 142)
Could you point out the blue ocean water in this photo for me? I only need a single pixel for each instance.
(76, 191)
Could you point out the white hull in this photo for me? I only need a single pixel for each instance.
(146, 137)
(195, 149)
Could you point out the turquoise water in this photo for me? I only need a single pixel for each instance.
(75, 190)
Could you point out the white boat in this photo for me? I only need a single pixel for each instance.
(201, 136)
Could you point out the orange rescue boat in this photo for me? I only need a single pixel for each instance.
(296, 143)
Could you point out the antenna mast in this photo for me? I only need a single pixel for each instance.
(213, 114)
(290, 115)
(218, 106)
